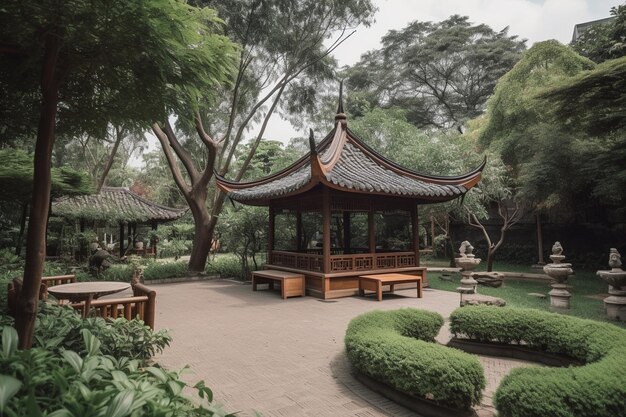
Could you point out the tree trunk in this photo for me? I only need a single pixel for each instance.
(490, 257)
(203, 231)
(119, 135)
(20, 236)
(36, 237)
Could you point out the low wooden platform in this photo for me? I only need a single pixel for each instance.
(291, 284)
(376, 282)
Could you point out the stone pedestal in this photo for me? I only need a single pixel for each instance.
(559, 272)
(467, 262)
(615, 303)
(560, 296)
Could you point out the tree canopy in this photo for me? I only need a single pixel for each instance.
(593, 100)
(441, 72)
(603, 41)
(108, 72)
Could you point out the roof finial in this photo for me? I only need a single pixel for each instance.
(312, 142)
(341, 115)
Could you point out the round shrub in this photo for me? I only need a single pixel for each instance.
(596, 389)
(396, 348)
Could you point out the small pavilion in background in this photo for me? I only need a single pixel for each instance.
(116, 205)
(343, 210)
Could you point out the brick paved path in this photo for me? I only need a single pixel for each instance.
(284, 358)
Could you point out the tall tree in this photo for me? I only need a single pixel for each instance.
(542, 156)
(284, 53)
(441, 72)
(593, 102)
(80, 65)
(604, 41)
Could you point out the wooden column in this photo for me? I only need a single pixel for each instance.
(371, 231)
(130, 237)
(298, 231)
(432, 233)
(326, 225)
(155, 242)
(121, 239)
(270, 233)
(347, 232)
(416, 234)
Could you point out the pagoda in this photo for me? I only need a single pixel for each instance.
(343, 210)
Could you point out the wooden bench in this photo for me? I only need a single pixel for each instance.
(291, 283)
(142, 304)
(376, 282)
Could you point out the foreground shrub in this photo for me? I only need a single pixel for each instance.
(395, 347)
(38, 382)
(596, 389)
(61, 327)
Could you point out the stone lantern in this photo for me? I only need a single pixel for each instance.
(559, 272)
(467, 262)
(615, 303)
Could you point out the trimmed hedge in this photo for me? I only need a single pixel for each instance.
(396, 348)
(596, 389)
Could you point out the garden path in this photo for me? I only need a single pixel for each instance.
(284, 358)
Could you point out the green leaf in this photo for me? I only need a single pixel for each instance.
(91, 342)
(75, 361)
(9, 341)
(9, 386)
(63, 412)
(121, 405)
(175, 386)
(158, 373)
(203, 391)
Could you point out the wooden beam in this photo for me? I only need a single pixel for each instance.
(326, 225)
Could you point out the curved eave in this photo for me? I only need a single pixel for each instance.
(229, 185)
(323, 169)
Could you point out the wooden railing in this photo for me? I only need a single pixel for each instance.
(15, 287)
(141, 305)
(305, 261)
(339, 263)
(370, 261)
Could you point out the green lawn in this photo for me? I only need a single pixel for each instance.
(515, 292)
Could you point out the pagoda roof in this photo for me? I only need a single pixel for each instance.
(114, 204)
(344, 162)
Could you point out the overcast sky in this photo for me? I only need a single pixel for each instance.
(534, 20)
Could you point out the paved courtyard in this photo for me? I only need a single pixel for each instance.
(284, 358)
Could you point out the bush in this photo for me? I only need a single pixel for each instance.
(395, 347)
(37, 382)
(118, 272)
(596, 389)
(227, 266)
(156, 270)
